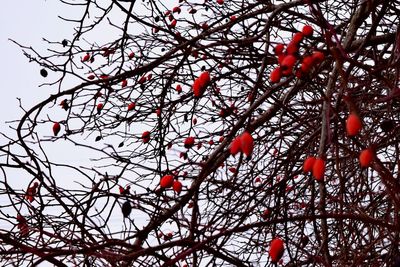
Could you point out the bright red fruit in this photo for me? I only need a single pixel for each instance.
(173, 23)
(307, 64)
(201, 83)
(318, 57)
(131, 106)
(281, 57)
(307, 31)
(353, 124)
(220, 2)
(91, 77)
(275, 75)
(56, 128)
(205, 78)
(236, 146)
(189, 142)
(366, 157)
(318, 169)
(279, 49)
(308, 164)
(232, 18)
(146, 137)
(179, 88)
(292, 48)
(247, 143)
(167, 181)
(298, 37)
(131, 55)
(276, 250)
(177, 186)
(288, 62)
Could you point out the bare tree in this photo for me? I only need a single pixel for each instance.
(213, 127)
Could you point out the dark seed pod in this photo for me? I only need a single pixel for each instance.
(43, 72)
(126, 209)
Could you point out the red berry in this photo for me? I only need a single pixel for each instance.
(99, 107)
(292, 48)
(201, 83)
(307, 31)
(146, 137)
(288, 62)
(131, 106)
(189, 142)
(167, 181)
(86, 57)
(353, 124)
(179, 88)
(236, 146)
(176, 9)
(308, 164)
(318, 57)
(56, 128)
(279, 49)
(276, 250)
(366, 157)
(275, 75)
(318, 169)
(297, 37)
(124, 83)
(177, 186)
(247, 143)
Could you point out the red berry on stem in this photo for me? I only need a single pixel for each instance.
(131, 106)
(276, 250)
(279, 49)
(189, 142)
(318, 57)
(308, 164)
(297, 37)
(275, 75)
(318, 169)
(99, 107)
(177, 186)
(288, 62)
(167, 181)
(146, 137)
(236, 146)
(247, 143)
(307, 31)
(56, 128)
(366, 157)
(353, 124)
